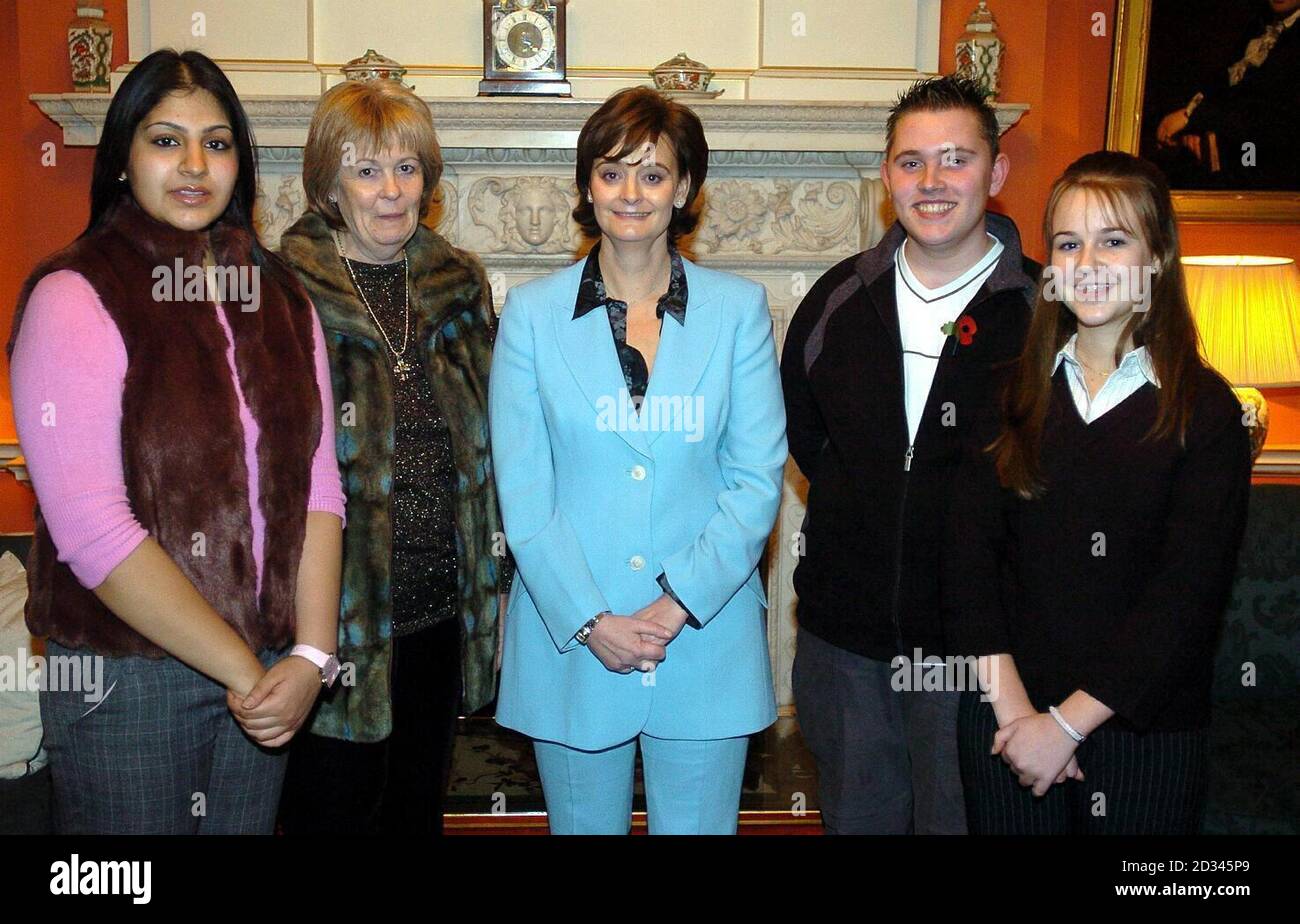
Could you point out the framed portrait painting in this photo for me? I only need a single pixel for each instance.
(1209, 90)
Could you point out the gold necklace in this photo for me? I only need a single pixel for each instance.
(1104, 375)
(401, 368)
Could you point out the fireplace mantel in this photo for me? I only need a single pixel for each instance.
(499, 122)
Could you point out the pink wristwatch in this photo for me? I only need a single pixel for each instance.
(327, 664)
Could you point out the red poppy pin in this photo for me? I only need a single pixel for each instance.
(963, 329)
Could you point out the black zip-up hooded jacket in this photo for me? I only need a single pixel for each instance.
(868, 579)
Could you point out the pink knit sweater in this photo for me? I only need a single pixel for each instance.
(66, 378)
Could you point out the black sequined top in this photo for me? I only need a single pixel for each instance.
(424, 570)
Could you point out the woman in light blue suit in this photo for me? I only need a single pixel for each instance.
(638, 463)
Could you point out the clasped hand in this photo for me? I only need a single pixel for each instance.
(637, 642)
(1038, 751)
(278, 704)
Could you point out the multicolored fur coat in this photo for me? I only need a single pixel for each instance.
(453, 322)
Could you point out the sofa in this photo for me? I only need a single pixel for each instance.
(1255, 731)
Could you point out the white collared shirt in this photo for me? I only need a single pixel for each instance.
(922, 313)
(1133, 371)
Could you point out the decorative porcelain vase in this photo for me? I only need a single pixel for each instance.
(980, 51)
(90, 49)
(682, 73)
(374, 66)
(1253, 398)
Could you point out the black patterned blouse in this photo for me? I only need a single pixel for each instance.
(591, 295)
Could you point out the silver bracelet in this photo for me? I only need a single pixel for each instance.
(1065, 726)
(585, 632)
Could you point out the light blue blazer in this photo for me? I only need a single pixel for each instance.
(598, 502)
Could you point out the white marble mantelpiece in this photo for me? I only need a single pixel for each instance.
(500, 122)
(793, 188)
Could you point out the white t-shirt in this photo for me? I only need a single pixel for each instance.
(922, 313)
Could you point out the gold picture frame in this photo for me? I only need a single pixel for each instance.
(1124, 130)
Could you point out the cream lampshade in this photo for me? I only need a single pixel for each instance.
(1247, 310)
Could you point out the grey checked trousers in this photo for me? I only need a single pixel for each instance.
(160, 754)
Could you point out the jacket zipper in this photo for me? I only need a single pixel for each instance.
(898, 550)
(902, 500)
(895, 616)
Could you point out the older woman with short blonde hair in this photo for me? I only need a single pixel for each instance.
(408, 324)
(366, 115)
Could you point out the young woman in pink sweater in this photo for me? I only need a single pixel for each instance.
(173, 402)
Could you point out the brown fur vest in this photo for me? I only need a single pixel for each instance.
(182, 442)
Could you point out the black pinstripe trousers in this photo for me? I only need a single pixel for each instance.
(1135, 783)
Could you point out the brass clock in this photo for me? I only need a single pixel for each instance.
(523, 48)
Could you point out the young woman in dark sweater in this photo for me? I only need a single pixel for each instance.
(1094, 539)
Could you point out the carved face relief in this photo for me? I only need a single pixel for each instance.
(523, 214)
(534, 214)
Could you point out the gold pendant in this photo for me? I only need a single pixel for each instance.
(403, 370)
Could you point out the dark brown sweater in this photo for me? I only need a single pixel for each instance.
(1113, 581)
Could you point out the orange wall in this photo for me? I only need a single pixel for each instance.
(1067, 107)
(1068, 101)
(41, 208)
(14, 502)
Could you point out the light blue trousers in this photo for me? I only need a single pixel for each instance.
(692, 787)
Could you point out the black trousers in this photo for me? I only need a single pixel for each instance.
(395, 786)
(25, 804)
(1134, 783)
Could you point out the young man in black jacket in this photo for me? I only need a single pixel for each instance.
(889, 362)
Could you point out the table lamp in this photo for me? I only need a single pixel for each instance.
(1247, 310)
